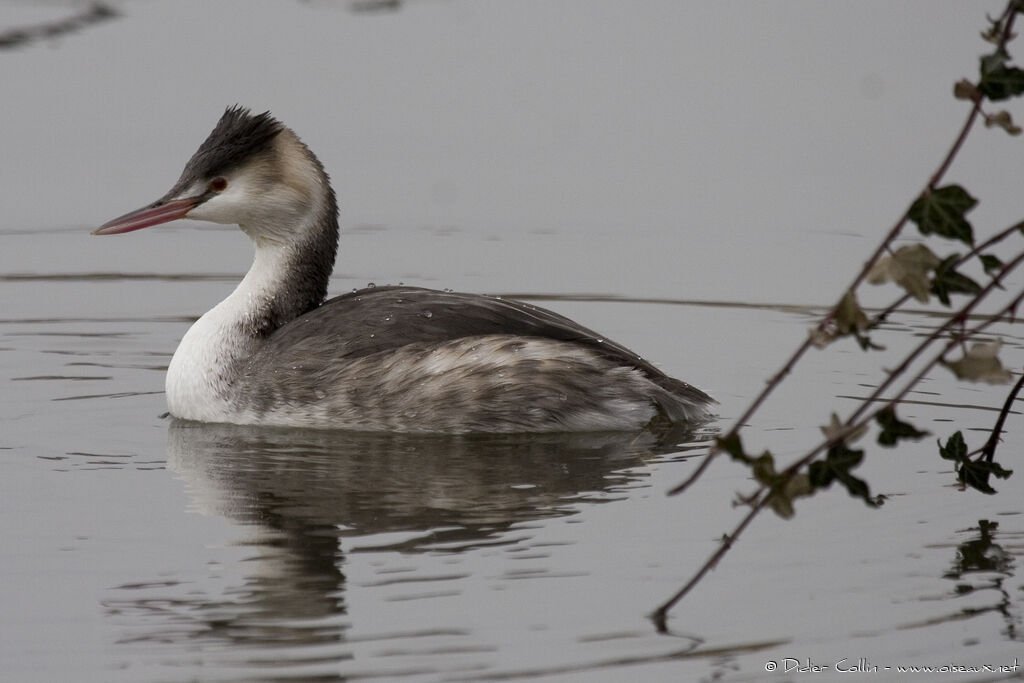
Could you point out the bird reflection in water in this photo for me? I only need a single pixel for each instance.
(306, 497)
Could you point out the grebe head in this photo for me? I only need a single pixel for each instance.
(251, 171)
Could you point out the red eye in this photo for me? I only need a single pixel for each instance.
(218, 184)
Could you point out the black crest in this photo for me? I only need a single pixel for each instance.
(237, 136)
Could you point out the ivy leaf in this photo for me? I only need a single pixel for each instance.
(990, 263)
(908, 267)
(941, 212)
(965, 90)
(847, 318)
(849, 315)
(981, 364)
(820, 338)
(839, 460)
(836, 430)
(781, 497)
(947, 280)
(999, 81)
(865, 343)
(975, 473)
(1004, 121)
(836, 467)
(994, 33)
(732, 445)
(782, 490)
(955, 448)
(893, 429)
(763, 466)
(850, 319)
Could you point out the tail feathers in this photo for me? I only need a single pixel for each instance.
(681, 402)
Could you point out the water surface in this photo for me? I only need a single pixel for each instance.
(607, 160)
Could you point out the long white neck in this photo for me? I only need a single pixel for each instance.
(286, 280)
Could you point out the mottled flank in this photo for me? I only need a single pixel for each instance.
(409, 359)
(493, 383)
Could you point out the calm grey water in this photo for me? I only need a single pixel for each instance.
(667, 173)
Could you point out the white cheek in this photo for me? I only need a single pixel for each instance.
(229, 206)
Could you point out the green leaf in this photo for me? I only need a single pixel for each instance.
(990, 263)
(763, 466)
(948, 281)
(836, 467)
(955, 448)
(782, 490)
(975, 473)
(894, 429)
(839, 459)
(941, 212)
(732, 445)
(998, 80)
(981, 364)
(908, 267)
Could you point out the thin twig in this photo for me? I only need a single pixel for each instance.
(1008, 16)
(763, 494)
(959, 318)
(95, 13)
(989, 449)
(882, 315)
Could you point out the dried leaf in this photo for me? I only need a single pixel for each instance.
(837, 430)
(981, 364)
(965, 90)
(1004, 121)
(850, 316)
(994, 33)
(909, 267)
(820, 338)
(781, 500)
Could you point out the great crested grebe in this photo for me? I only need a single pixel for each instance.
(383, 358)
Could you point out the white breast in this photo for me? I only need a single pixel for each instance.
(201, 378)
(197, 383)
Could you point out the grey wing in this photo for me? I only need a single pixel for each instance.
(369, 321)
